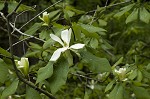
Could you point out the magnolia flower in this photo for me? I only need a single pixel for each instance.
(64, 41)
(45, 18)
(23, 65)
(121, 73)
(92, 83)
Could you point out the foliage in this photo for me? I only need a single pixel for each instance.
(73, 52)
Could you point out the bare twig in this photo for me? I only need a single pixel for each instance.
(13, 62)
(15, 29)
(39, 14)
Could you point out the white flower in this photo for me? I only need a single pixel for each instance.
(45, 18)
(64, 41)
(121, 73)
(23, 65)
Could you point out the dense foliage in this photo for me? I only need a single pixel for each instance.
(75, 49)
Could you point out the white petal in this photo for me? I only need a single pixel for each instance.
(66, 36)
(57, 54)
(57, 39)
(77, 46)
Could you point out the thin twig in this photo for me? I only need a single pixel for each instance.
(19, 42)
(15, 9)
(15, 29)
(39, 14)
(14, 65)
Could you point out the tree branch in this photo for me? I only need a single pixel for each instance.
(39, 14)
(13, 62)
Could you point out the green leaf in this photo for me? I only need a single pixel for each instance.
(47, 44)
(59, 76)
(102, 22)
(53, 14)
(91, 28)
(23, 7)
(133, 75)
(44, 34)
(96, 64)
(77, 31)
(117, 92)
(109, 86)
(3, 71)
(45, 72)
(94, 43)
(32, 94)
(35, 46)
(33, 29)
(1, 5)
(137, 91)
(10, 89)
(124, 10)
(133, 16)
(144, 15)
(12, 5)
(4, 52)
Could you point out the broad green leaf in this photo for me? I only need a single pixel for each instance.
(133, 75)
(109, 86)
(117, 92)
(91, 28)
(3, 71)
(44, 34)
(59, 76)
(45, 72)
(32, 94)
(124, 10)
(102, 22)
(141, 93)
(146, 74)
(118, 62)
(144, 15)
(35, 46)
(94, 43)
(74, 10)
(96, 64)
(4, 52)
(12, 5)
(1, 5)
(77, 31)
(86, 96)
(23, 7)
(47, 44)
(10, 89)
(133, 16)
(33, 29)
(53, 14)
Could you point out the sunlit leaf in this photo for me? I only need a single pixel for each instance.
(144, 15)
(3, 71)
(133, 16)
(109, 86)
(96, 64)
(10, 89)
(45, 72)
(117, 92)
(137, 91)
(32, 94)
(59, 76)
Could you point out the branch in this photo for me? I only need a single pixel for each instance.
(18, 30)
(39, 14)
(14, 65)
(15, 9)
